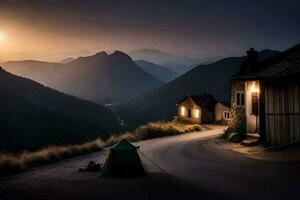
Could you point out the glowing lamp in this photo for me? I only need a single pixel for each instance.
(254, 98)
(254, 88)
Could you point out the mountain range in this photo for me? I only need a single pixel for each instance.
(101, 78)
(174, 62)
(33, 116)
(161, 72)
(160, 103)
(177, 63)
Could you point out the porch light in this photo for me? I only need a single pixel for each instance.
(182, 110)
(254, 87)
(254, 98)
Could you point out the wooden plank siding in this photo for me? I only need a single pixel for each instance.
(282, 113)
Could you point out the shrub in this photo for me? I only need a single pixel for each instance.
(162, 129)
(10, 164)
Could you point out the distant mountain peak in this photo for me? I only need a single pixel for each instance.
(170, 60)
(151, 51)
(67, 60)
(101, 53)
(120, 55)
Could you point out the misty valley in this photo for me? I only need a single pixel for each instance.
(98, 95)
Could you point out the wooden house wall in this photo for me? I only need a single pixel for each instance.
(282, 113)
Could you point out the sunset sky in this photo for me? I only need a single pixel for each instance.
(56, 29)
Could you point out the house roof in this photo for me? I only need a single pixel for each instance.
(225, 103)
(203, 100)
(284, 66)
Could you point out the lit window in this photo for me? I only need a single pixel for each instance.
(182, 110)
(197, 113)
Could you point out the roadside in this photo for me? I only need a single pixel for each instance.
(187, 166)
(17, 163)
(258, 152)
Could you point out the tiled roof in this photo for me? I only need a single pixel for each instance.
(203, 100)
(286, 65)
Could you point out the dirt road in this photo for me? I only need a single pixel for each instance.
(181, 167)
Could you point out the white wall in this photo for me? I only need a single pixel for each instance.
(252, 120)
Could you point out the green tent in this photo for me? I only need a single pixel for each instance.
(123, 161)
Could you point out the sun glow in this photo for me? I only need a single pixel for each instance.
(2, 36)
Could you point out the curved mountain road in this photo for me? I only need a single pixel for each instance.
(181, 167)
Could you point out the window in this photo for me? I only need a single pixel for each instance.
(240, 98)
(182, 111)
(226, 115)
(197, 113)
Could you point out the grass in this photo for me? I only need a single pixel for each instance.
(11, 163)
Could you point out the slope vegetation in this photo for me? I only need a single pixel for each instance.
(32, 116)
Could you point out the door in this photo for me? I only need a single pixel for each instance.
(189, 113)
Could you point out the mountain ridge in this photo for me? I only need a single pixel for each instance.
(33, 115)
(102, 78)
(161, 72)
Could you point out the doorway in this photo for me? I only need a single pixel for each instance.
(189, 113)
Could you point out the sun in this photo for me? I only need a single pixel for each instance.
(2, 36)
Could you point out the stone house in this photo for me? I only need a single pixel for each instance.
(265, 97)
(222, 113)
(202, 109)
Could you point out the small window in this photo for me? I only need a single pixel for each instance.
(240, 98)
(182, 111)
(197, 113)
(226, 115)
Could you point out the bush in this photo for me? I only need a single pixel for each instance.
(11, 164)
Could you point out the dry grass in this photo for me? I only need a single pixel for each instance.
(10, 164)
(162, 129)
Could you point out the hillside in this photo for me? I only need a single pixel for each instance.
(33, 116)
(42, 72)
(101, 78)
(161, 103)
(160, 72)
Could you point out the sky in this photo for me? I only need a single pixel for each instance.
(55, 29)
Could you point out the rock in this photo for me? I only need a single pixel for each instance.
(251, 142)
(92, 167)
(234, 137)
